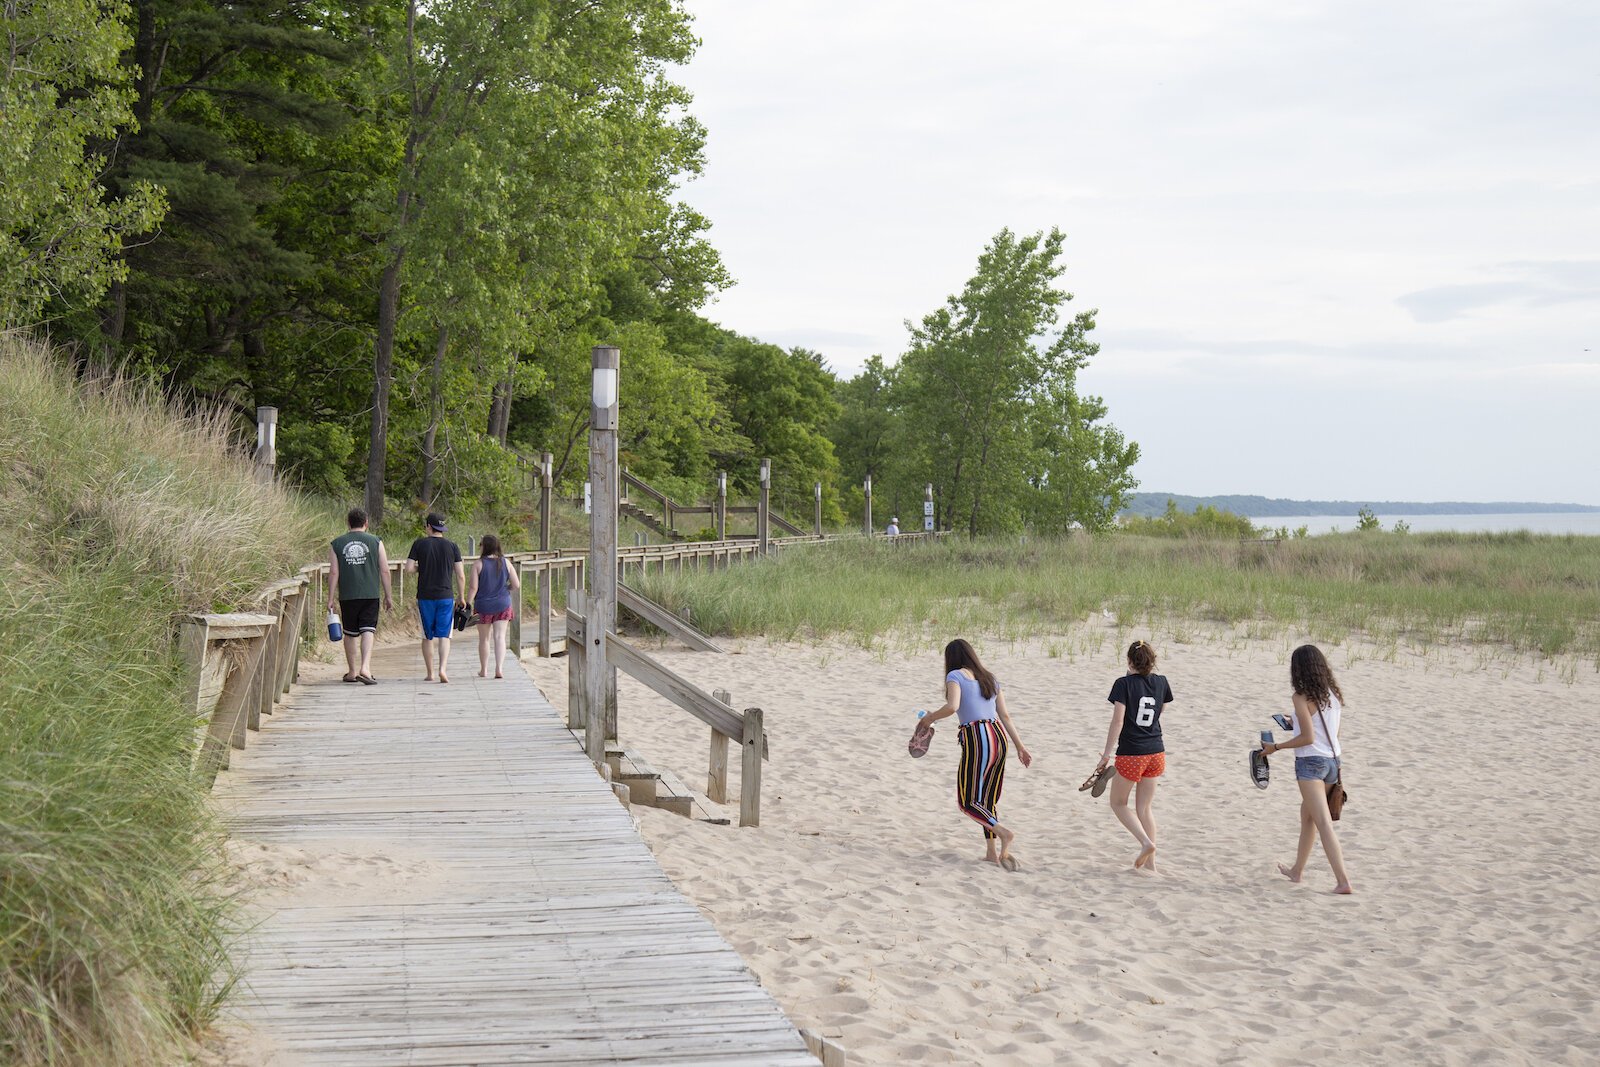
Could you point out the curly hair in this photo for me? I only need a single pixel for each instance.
(1311, 676)
(1142, 657)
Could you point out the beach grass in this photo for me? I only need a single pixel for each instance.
(122, 512)
(1520, 591)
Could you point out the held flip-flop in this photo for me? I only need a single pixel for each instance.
(1096, 783)
(921, 738)
(1010, 863)
(1259, 771)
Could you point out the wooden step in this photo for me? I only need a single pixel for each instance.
(641, 779)
(673, 795)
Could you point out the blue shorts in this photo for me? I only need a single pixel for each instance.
(438, 616)
(1316, 768)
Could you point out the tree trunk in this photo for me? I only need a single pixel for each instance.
(113, 321)
(430, 459)
(500, 405)
(382, 379)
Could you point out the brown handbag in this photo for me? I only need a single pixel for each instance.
(1336, 792)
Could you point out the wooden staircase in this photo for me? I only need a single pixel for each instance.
(648, 519)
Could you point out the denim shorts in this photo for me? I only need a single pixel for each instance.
(438, 616)
(1316, 768)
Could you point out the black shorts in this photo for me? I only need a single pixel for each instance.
(359, 616)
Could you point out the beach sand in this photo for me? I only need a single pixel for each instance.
(861, 903)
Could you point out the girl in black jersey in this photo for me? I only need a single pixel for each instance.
(1137, 699)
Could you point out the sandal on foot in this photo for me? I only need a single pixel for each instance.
(352, 677)
(366, 679)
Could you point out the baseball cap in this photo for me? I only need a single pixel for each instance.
(435, 521)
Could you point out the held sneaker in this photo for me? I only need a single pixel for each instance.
(1258, 768)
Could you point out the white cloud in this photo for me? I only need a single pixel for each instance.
(1397, 201)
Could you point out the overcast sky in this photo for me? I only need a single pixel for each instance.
(1339, 250)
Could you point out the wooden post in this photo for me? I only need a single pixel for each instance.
(514, 630)
(192, 652)
(762, 514)
(262, 692)
(817, 521)
(266, 456)
(600, 681)
(867, 524)
(717, 776)
(750, 768)
(546, 484)
(722, 506)
(577, 714)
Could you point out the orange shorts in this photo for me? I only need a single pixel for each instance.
(1133, 768)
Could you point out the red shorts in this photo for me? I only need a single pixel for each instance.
(499, 616)
(1133, 768)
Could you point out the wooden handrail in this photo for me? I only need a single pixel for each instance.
(676, 688)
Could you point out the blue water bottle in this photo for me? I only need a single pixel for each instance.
(335, 631)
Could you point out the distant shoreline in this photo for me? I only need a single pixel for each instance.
(1152, 504)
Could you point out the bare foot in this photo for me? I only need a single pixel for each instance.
(1288, 872)
(442, 677)
(483, 674)
(1343, 890)
(497, 674)
(1146, 857)
(991, 859)
(427, 677)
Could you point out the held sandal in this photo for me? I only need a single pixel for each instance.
(1096, 783)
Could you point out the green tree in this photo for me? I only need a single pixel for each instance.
(541, 133)
(988, 399)
(783, 403)
(61, 93)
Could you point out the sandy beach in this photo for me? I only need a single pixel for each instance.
(862, 905)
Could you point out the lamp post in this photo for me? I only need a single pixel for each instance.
(600, 680)
(867, 488)
(722, 506)
(762, 528)
(266, 456)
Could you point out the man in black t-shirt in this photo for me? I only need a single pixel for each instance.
(436, 561)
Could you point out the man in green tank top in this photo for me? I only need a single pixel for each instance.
(358, 573)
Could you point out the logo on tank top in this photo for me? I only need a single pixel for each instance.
(356, 553)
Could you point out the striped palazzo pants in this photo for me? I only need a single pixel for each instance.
(982, 771)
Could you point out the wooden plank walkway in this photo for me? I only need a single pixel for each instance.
(545, 931)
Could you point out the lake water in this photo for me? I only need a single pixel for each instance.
(1574, 522)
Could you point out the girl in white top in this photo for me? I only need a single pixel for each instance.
(1318, 706)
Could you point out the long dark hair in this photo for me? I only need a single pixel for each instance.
(490, 546)
(1311, 676)
(959, 654)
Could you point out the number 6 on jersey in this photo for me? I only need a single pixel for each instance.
(1147, 711)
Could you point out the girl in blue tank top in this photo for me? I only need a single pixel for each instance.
(973, 695)
(489, 589)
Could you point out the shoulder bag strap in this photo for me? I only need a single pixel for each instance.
(1333, 742)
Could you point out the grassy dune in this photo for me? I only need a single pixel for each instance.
(1521, 591)
(121, 514)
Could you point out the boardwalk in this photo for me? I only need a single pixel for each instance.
(524, 920)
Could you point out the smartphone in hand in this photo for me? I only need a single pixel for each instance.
(1283, 722)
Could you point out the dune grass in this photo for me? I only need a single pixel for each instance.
(1529, 593)
(121, 513)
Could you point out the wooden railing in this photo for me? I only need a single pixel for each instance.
(240, 664)
(747, 727)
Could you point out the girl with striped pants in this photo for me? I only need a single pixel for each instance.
(972, 694)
